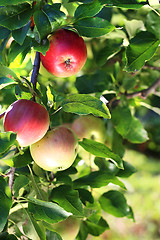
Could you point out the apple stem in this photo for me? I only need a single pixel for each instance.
(35, 71)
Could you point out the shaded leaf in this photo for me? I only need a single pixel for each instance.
(98, 228)
(68, 198)
(15, 16)
(42, 23)
(5, 202)
(20, 34)
(141, 49)
(20, 182)
(114, 203)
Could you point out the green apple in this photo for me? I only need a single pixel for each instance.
(57, 150)
(91, 127)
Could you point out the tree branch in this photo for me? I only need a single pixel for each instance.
(35, 71)
(11, 178)
(142, 94)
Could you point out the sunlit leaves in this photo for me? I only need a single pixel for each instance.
(85, 104)
(47, 211)
(141, 49)
(100, 150)
(93, 27)
(114, 203)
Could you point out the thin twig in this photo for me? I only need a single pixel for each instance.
(35, 71)
(142, 94)
(11, 178)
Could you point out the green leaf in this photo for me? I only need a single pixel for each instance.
(20, 34)
(88, 10)
(42, 23)
(33, 229)
(7, 236)
(98, 179)
(83, 231)
(14, 2)
(122, 118)
(85, 195)
(47, 211)
(137, 133)
(41, 47)
(20, 182)
(15, 16)
(85, 104)
(117, 144)
(98, 228)
(93, 27)
(19, 160)
(114, 203)
(7, 139)
(91, 83)
(100, 150)
(5, 71)
(141, 49)
(16, 49)
(68, 198)
(56, 17)
(106, 53)
(127, 171)
(5, 202)
(133, 4)
(6, 82)
(152, 23)
(53, 235)
(4, 32)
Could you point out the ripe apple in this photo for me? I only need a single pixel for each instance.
(91, 127)
(67, 53)
(28, 119)
(57, 150)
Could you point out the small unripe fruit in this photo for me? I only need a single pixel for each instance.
(57, 150)
(28, 119)
(90, 127)
(67, 53)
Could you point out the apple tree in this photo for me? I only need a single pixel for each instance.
(77, 80)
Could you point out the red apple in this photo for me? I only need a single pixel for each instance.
(28, 119)
(67, 53)
(57, 150)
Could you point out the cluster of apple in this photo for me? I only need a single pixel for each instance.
(54, 149)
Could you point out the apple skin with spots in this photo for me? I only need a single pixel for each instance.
(57, 150)
(67, 53)
(28, 119)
